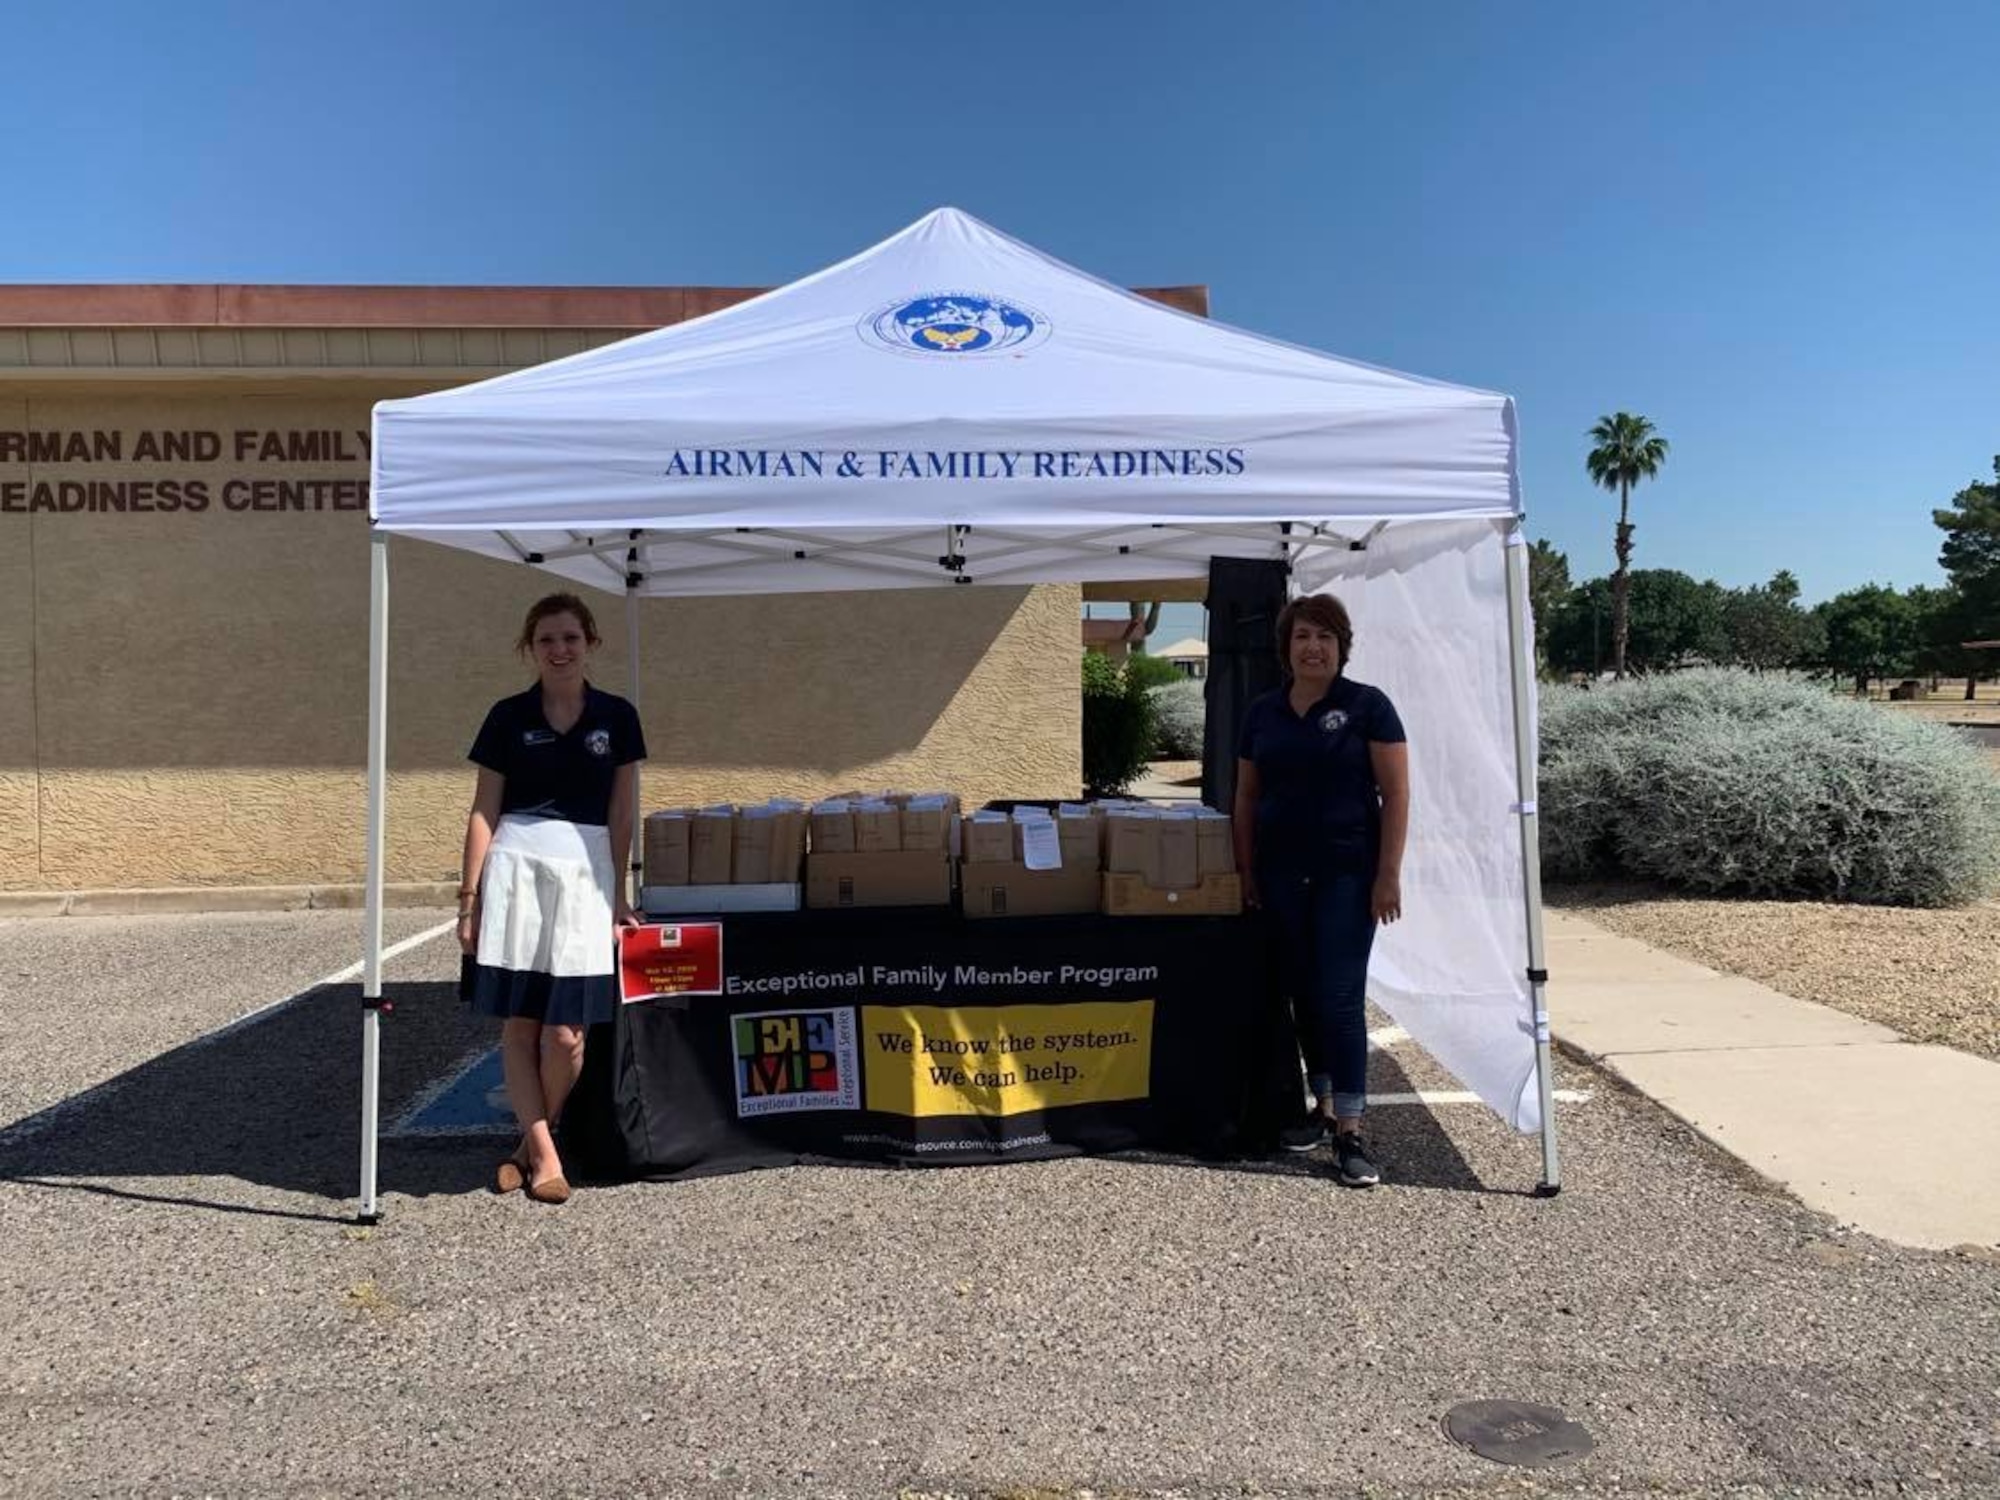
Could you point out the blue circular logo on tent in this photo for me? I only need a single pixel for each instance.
(955, 325)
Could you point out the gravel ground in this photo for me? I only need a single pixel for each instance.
(1932, 975)
(184, 1310)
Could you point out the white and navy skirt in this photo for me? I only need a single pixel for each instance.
(545, 901)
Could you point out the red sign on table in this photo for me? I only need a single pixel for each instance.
(670, 958)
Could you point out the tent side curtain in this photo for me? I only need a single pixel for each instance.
(1429, 606)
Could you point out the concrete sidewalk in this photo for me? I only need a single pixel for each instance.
(1895, 1138)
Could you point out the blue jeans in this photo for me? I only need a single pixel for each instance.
(1325, 929)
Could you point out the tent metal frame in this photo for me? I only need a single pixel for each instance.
(633, 569)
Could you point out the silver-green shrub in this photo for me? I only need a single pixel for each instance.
(1180, 712)
(1727, 782)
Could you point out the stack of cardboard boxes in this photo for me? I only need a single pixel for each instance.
(903, 849)
(891, 850)
(1032, 862)
(724, 858)
(1170, 862)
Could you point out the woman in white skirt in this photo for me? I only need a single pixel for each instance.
(543, 889)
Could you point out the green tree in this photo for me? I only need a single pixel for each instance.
(1870, 632)
(1945, 620)
(1628, 450)
(1970, 557)
(1548, 585)
(1675, 621)
(1766, 629)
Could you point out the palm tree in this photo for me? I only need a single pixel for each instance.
(1627, 451)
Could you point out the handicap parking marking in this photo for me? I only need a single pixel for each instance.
(470, 1100)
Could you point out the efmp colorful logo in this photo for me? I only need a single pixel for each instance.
(796, 1059)
(957, 325)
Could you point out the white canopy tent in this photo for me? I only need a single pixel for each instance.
(953, 407)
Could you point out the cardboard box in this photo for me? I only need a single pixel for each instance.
(878, 830)
(987, 840)
(1215, 844)
(927, 828)
(1082, 842)
(919, 877)
(1132, 845)
(750, 862)
(1180, 863)
(1013, 890)
(833, 830)
(665, 851)
(712, 846)
(788, 844)
(1127, 895)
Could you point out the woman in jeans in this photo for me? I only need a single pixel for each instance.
(1322, 809)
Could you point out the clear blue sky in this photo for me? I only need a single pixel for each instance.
(1772, 227)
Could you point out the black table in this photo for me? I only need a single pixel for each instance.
(915, 1036)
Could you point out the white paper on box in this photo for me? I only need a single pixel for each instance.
(1041, 847)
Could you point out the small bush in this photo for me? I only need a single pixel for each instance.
(1153, 671)
(1180, 711)
(1117, 726)
(1724, 782)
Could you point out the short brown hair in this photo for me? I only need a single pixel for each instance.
(1322, 610)
(556, 604)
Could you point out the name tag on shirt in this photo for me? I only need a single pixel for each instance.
(538, 736)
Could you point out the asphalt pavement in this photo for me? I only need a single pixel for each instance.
(186, 1307)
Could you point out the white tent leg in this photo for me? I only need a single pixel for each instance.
(371, 963)
(1521, 658)
(633, 877)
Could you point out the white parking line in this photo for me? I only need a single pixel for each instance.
(40, 1121)
(339, 976)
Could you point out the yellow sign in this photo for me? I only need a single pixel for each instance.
(1006, 1059)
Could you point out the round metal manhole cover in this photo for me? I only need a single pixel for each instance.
(1516, 1432)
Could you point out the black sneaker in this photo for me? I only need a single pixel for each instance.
(1356, 1167)
(1308, 1134)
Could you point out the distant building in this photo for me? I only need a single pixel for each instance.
(1190, 655)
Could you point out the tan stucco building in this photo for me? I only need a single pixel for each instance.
(184, 603)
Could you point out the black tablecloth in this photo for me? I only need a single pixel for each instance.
(919, 1037)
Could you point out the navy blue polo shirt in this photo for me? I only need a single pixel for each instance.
(1319, 811)
(565, 775)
